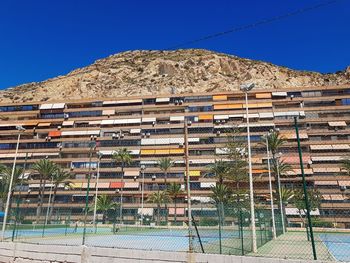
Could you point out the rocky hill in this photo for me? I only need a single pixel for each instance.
(163, 72)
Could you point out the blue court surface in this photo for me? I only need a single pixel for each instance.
(131, 238)
(338, 245)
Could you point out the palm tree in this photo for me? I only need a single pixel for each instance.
(60, 176)
(3, 187)
(6, 173)
(105, 204)
(45, 168)
(221, 195)
(345, 166)
(287, 196)
(122, 156)
(159, 198)
(275, 141)
(314, 200)
(220, 169)
(165, 164)
(283, 168)
(174, 191)
(237, 171)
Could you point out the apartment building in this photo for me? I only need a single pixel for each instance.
(82, 135)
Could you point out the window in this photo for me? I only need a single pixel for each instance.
(85, 114)
(198, 98)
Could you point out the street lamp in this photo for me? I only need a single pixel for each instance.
(190, 241)
(143, 168)
(246, 88)
(99, 156)
(92, 146)
(20, 130)
(270, 187)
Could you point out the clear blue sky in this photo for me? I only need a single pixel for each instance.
(43, 38)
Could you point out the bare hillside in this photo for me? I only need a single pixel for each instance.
(160, 72)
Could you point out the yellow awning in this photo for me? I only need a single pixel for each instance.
(195, 173)
(75, 185)
(227, 106)
(263, 95)
(219, 97)
(205, 117)
(147, 152)
(30, 122)
(177, 151)
(162, 151)
(259, 105)
(265, 105)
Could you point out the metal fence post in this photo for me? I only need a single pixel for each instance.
(305, 191)
(220, 219)
(241, 230)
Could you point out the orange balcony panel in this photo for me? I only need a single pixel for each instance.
(55, 134)
(205, 117)
(263, 95)
(259, 171)
(219, 97)
(116, 185)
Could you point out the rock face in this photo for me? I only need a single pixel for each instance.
(163, 72)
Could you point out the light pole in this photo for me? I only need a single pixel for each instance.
(92, 146)
(20, 129)
(143, 168)
(277, 159)
(190, 243)
(99, 156)
(270, 186)
(245, 89)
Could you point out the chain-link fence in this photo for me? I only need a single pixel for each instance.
(153, 192)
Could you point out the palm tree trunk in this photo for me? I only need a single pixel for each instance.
(42, 196)
(285, 215)
(166, 205)
(175, 210)
(277, 187)
(121, 195)
(158, 214)
(38, 209)
(104, 217)
(52, 202)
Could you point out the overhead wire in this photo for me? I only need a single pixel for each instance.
(255, 24)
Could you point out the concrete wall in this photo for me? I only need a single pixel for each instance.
(32, 253)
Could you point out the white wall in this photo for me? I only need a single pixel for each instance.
(32, 253)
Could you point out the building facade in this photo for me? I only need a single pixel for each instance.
(81, 137)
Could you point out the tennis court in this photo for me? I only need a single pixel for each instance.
(291, 245)
(148, 238)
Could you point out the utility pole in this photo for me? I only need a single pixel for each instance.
(190, 243)
(306, 199)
